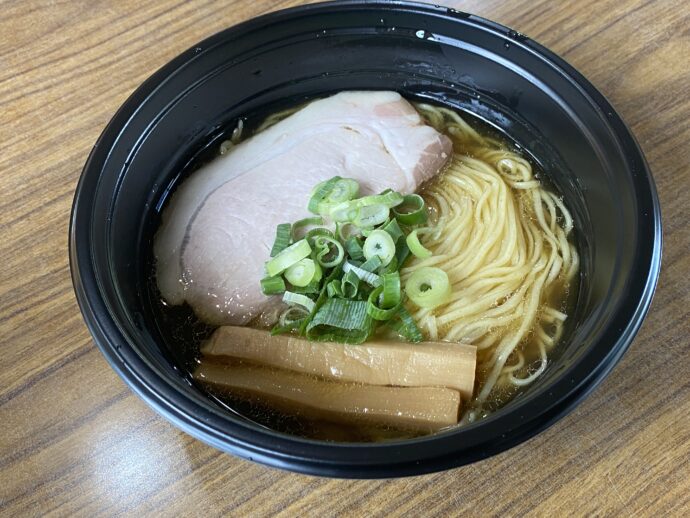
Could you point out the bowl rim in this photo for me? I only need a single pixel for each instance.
(399, 458)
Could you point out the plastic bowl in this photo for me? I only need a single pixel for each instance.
(422, 51)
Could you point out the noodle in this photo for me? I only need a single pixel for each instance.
(503, 241)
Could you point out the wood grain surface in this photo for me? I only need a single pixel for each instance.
(75, 441)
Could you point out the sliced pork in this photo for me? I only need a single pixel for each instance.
(220, 224)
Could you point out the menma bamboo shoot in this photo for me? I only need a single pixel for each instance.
(418, 408)
(430, 364)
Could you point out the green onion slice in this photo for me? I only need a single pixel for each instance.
(282, 240)
(393, 229)
(379, 243)
(312, 234)
(303, 272)
(405, 326)
(341, 320)
(353, 246)
(428, 287)
(390, 267)
(330, 252)
(412, 210)
(370, 278)
(402, 252)
(371, 216)
(390, 293)
(272, 285)
(333, 289)
(379, 313)
(310, 289)
(292, 315)
(417, 249)
(346, 230)
(349, 286)
(297, 225)
(348, 211)
(292, 299)
(372, 264)
(332, 192)
(289, 256)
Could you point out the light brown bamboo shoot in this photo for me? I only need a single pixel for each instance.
(417, 408)
(429, 364)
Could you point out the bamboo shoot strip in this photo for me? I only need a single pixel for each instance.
(418, 408)
(430, 364)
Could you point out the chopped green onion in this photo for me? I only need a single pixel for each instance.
(346, 230)
(303, 272)
(405, 326)
(370, 278)
(354, 248)
(341, 320)
(287, 257)
(272, 285)
(379, 244)
(379, 313)
(402, 252)
(412, 210)
(335, 274)
(310, 289)
(417, 249)
(389, 199)
(390, 267)
(349, 210)
(331, 192)
(371, 215)
(428, 287)
(312, 234)
(349, 286)
(333, 289)
(282, 240)
(316, 220)
(393, 229)
(390, 294)
(371, 265)
(298, 299)
(292, 315)
(362, 257)
(292, 318)
(328, 247)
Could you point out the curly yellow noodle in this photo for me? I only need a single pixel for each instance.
(503, 241)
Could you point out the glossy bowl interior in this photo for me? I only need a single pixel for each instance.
(424, 52)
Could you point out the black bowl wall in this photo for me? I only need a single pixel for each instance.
(421, 51)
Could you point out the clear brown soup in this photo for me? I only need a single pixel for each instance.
(183, 333)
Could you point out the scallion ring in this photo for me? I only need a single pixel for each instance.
(330, 252)
(412, 211)
(390, 294)
(417, 249)
(282, 240)
(379, 243)
(303, 272)
(272, 285)
(370, 278)
(428, 287)
(371, 216)
(379, 313)
(298, 299)
(289, 256)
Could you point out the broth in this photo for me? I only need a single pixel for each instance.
(183, 332)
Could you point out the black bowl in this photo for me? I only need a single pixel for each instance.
(422, 51)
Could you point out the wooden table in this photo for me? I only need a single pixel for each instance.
(74, 439)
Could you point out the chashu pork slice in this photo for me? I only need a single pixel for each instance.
(219, 226)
